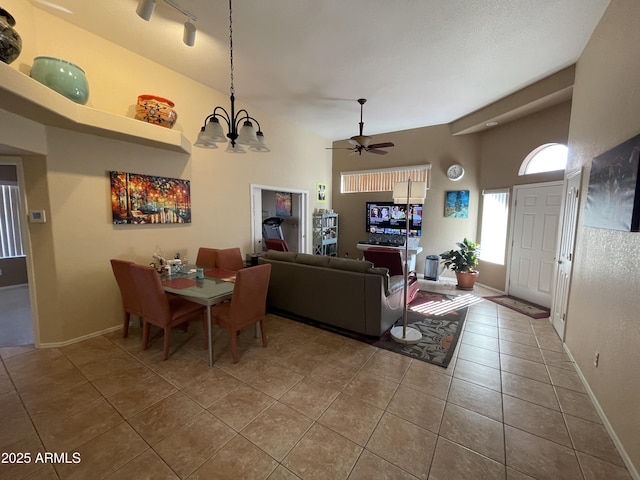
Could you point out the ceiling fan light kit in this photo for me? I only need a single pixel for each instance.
(362, 142)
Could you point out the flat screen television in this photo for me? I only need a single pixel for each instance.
(390, 218)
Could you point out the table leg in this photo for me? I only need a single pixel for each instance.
(210, 335)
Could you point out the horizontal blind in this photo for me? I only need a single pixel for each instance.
(382, 179)
(10, 223)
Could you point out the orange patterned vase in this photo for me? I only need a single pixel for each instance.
(156, 110)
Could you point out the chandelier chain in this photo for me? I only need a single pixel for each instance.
(233, 91)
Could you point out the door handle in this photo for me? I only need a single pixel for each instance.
(559, 262)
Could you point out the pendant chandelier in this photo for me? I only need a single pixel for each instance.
(238, 136)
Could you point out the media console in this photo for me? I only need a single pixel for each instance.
(413, 251)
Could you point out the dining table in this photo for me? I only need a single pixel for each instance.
(215, 286)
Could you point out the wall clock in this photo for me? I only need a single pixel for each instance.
(455, 172)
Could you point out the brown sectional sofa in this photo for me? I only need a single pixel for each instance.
(345, 293)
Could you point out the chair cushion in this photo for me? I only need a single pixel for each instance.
(350, 264)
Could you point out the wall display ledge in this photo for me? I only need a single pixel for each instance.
(23, 96)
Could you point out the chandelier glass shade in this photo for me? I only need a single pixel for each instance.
(240, 129)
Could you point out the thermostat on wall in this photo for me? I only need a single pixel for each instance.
(37, 216)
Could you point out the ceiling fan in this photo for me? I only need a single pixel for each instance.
(363, 142)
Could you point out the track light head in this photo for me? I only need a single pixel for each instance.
(189, 34)
(145, 9)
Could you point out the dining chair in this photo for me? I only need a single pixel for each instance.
(158, 308)
(276, 244)
(247, 306)
(130, 299)
(391, 258)
(229, 259)
(206, 257)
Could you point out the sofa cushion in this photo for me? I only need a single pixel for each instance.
(350, 264)
(315, 260)
(281, 256)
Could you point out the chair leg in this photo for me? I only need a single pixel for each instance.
(234, 346)
(145, 334)
(263, 333)
(167, 339)
(125, 330)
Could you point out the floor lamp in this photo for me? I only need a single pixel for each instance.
(407, 192)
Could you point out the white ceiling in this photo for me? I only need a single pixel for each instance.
(418, 62)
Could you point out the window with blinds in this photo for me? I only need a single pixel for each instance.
(382, 179)
(10, 222)
(495, 218)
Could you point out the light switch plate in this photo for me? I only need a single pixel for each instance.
(37, 216)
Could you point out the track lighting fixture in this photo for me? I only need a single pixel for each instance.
(145, 10)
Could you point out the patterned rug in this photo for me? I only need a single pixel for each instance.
(440, 318)
(522, 306)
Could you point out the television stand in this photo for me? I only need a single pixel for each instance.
(413, 251)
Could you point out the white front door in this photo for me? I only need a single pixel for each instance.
(565, 252)
(535, 228)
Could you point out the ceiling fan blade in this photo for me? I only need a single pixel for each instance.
(382, 145)
(339, 148)
(376, 151)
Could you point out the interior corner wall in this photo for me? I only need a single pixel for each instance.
(502, 151)
(433, 145)
(603, 300)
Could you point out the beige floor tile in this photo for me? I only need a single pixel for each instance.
(550, 342)
(577, 404)
(453, 462)
(530, 390)
(557, 359)
(479, 374)
(310, 398)
(596, 469)
(515, 475)
(159, 420)
(540, 458)
(516, 325)
(188, 447)
(241, 406)
(211, 387)
(269, 378)
(238, 459)
(404, 444)
(104, 454)
(479, 399)
(118, 380)
(8, 352)
(353, 353)
(387, 365)
(535, 419)
(146, 466)
(480, 329)
(482, 317)
(181, 369)
(134, 399)
(490, 358)
(277, 430)
(564, 378)
(29, 446)
(593, 439)
(322, 454)
(481, 341)
(335, 375)
(46, 472)
(474, 431)
(6, 385)
(371, 466)
(281, 473)
(518, 337)
(525, 368)
(375, 390)
(427, 378)
(352, 418)
(423, 410)
(521, 351)
(16, 423)
(77, 429)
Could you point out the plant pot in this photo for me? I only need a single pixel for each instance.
(466, 280)
(61, 76)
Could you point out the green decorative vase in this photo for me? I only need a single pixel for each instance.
(64, 77)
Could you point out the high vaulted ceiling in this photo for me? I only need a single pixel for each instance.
(418, 62)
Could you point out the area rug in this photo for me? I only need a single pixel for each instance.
(440, 318)
(522, 306)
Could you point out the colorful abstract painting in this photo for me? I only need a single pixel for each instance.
(144, 199)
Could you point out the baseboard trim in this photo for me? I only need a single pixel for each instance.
(79, 339)
(605, 421)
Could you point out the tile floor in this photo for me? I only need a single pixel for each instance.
(312, 405)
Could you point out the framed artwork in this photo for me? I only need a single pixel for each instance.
(283, 204)
(322, 192)
(456, 204)
(613, 197)
(144, 199)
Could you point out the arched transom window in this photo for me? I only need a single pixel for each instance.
(549, 157)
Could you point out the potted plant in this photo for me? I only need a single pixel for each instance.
(463, 262)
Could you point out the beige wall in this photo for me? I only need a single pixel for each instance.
(604, 304)
(75, 292)
(433, 145)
